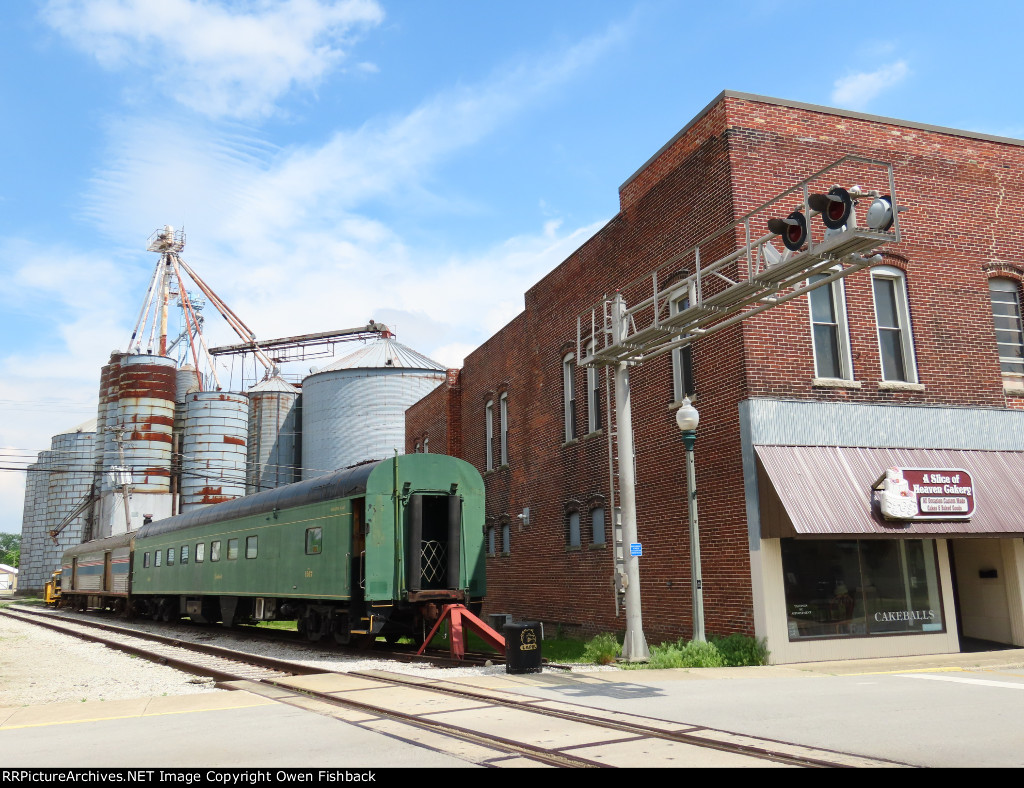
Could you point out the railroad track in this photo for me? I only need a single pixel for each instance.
(498, 727)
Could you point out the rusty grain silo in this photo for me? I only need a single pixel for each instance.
(213, 448)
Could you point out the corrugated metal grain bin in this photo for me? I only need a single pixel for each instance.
(354, 409)
(274, 437)
(213, 448)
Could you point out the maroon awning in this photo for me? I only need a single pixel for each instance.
(826, 491)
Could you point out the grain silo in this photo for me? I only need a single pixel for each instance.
(275, 422)
(213, 448)
(354, 409)
(32, 565)
(59, 483)
(139, 424)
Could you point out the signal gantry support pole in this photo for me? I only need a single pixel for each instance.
(634, 646)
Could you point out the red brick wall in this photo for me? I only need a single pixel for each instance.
(737, 155)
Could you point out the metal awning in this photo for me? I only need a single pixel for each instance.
(826, 491)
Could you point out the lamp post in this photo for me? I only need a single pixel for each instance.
(687, 419)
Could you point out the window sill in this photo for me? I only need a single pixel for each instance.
(1013, 386)
(594, 434)
(573, 442)
(597, 546)
(679, 403)
(835, 383)
(899, 385)
(572, 548)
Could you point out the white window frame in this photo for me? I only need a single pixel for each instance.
(1001, 284)
(899, 280)
(489, 435)
(677, 305)
(569, 395)
(593, 392)
(506, 538)
(503, 414)
(426, 445)
(837, 290)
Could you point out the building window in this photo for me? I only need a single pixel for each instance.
(314, 540)
(489, 433)
(200, 552)
(860, 588)
(572, 528)
(170, 556)
(426, 445)
(597, 525)
(184, 554)
(416, 447)
(504, 429)
(490, 540)
(232, 549)
(145, 560)
(1005, 297)
(892, 314)
(593, 393)
(158, 557)
(829, 331)
(506, 538)
(683, 384)
(215, 551)
(250, 546)
(569, 396)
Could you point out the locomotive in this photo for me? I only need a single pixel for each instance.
(375, 549)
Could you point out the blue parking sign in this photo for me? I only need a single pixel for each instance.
(635, 548)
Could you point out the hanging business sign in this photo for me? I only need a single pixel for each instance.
(926, 494)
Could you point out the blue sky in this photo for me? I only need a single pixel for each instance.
(419, 163)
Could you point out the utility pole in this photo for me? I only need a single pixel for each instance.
(125, 477)
(634, 645)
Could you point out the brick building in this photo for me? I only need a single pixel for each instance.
(912, 362)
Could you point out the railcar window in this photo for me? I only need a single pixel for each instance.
(184, 554)
(158, 557)
(250, 547)
(232, 549)
(314, 540)
(215, 551)
(145, 560)
(170, 556)
(200, 552)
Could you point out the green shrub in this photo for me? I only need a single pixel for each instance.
(738, 650)
(602, 649)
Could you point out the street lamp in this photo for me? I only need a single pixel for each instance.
(687, 418)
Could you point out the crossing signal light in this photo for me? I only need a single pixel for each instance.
(834, 207)
(793, 230)
(880, 214)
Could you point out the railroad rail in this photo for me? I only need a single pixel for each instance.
(501, 727)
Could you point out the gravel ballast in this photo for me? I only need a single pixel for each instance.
(39, 666)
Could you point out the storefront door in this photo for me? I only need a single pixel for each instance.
(981, 589)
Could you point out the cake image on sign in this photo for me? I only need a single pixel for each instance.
(897, 501)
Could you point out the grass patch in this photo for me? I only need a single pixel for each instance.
(718, 652)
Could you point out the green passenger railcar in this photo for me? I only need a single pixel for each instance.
(378, 548)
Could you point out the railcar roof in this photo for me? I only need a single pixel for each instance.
(340, 484)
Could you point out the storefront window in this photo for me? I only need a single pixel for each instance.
(840, 588)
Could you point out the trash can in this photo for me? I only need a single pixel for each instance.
(522, 647)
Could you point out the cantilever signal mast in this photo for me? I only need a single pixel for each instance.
(166, 283)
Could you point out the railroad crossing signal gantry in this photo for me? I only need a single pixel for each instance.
(687, 298)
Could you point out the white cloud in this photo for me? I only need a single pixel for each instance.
(220, 60)
(856, 91)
